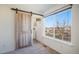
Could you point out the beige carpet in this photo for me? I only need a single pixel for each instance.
(36, 48)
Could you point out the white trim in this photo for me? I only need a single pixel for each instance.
(58, 40)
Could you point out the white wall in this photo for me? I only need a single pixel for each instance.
(60, 46)
(34, 17)
(7, 27)
(7, 32)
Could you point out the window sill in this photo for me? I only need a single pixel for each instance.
(58, 40)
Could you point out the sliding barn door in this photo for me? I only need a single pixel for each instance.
(23, 29)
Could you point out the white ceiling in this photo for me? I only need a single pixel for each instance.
(36, 8)
(42, 9)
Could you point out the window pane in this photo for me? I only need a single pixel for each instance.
(63, 25)
(59, 25)
(67, 29)
(49, 23)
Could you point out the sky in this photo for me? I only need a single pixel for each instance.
(50, 21)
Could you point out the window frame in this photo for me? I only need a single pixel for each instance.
(54, 38)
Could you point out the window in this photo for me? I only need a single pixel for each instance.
(59, 25)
